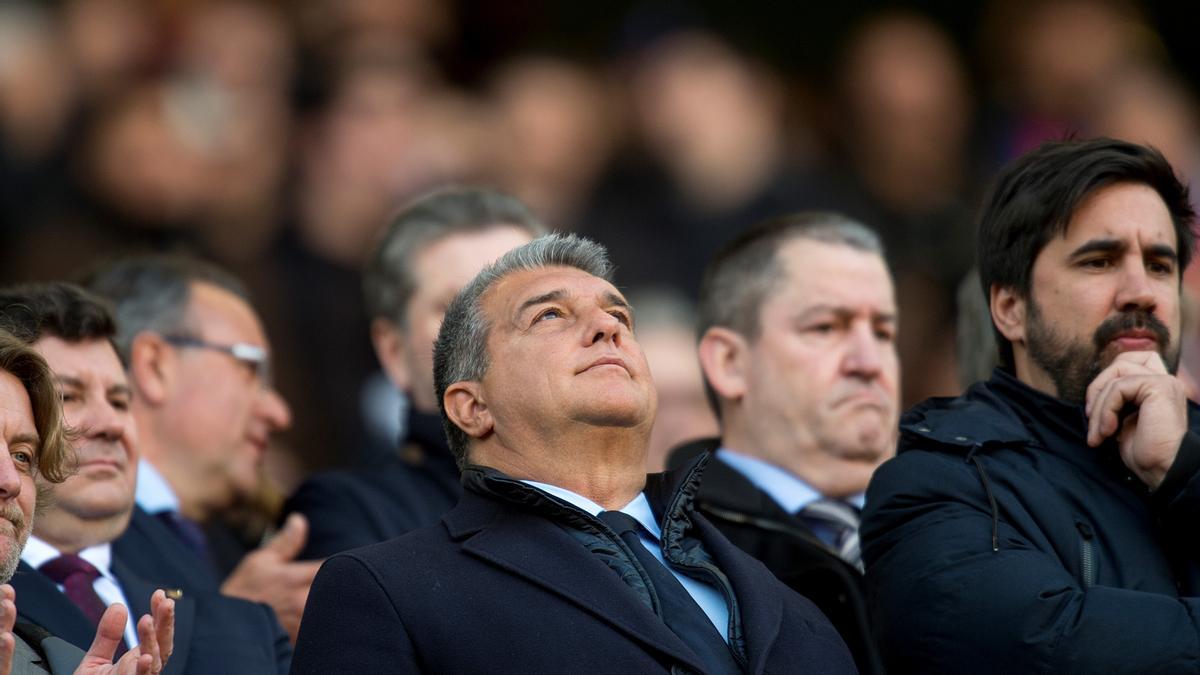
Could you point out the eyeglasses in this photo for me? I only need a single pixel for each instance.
(252, 356)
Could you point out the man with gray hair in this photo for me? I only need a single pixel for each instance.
(561, 555)
(204, 410)
(430, 250)
(797, 344)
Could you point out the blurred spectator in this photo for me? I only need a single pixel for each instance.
(711, 120)
(666, 331)
(555, 130)
(905, 118)
(1050, 62)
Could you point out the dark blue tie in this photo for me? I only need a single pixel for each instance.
(188, 532)
(678, 609)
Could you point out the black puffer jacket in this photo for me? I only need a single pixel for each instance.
(997, 541)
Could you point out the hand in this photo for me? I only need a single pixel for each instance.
(156, 637)
(272, 575)
(8, 618)
(1150, 435)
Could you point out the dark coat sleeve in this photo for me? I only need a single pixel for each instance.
(350, 624)
(337, 519)
(948, 602)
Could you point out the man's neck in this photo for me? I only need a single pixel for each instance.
(606, 468)
(69, 534)
(827, 473)
(1030, 374)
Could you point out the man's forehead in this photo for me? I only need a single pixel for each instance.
(16, 412)
(81, 361)
(221, 315)
(518, 288)
(816, 274)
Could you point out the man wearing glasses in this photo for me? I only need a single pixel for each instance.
(205, 410)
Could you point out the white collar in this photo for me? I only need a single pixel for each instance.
(37, 553)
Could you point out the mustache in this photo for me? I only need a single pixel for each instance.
(1138, 319)
(14, 515)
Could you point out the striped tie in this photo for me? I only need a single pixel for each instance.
(840, 519)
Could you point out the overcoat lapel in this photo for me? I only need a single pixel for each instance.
(757, 597)
(41, 603)
(540, 552)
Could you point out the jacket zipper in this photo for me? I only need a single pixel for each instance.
(1087, 554)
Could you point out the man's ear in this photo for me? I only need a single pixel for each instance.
(467, 410)
(389, 349)
(152, 369)
(1008, 312)
(723, 355)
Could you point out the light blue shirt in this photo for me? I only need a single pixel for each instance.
(154, 493)
(791, 493)
(709, 598)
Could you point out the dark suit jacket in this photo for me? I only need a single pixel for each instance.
(753, 521)
(152, 551)
(213, 634)
(37, 651)
(351, 508)
(496, 588)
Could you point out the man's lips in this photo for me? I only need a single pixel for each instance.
(607, 361)
(1136, 340)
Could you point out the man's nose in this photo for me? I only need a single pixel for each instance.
(864, 353)
(273, 409)
(101, 420)
(1135, 290)
(10, 475)
(604, 326)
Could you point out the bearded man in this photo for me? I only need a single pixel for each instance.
(1044, 520)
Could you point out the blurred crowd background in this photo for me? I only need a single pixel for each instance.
(276, 138)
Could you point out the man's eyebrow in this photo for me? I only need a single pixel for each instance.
(31, 439)
(1162, 251)
(1099, 246)
(842, 312)
(551, 296)
(1118, 246)
(69, 381)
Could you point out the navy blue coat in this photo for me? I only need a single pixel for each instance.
(351, 508)
(152, 551)
(213, 634)
(499, 588)
(997, 541)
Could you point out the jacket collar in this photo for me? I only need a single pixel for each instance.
(981, 417)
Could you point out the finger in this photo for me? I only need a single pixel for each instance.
(148, 641)
(1115, 370)
(8, 647)
(163, 609)
(290, 540)
(8, 608)
(1105, 417)
(108, 633)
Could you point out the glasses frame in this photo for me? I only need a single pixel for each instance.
(254, 356)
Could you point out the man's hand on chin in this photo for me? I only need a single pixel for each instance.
(1145, 407)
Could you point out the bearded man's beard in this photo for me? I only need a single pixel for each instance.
(1072, 366)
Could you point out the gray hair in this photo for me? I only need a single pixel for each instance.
(460, 353)
(389, 278)
(747, 269)
(152, 293)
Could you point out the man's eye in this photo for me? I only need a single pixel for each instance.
(821, 328)
(1096, 263)
(1164, 269)
(119, 404)
(22, 458)
(622, 317)
(550, 313)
